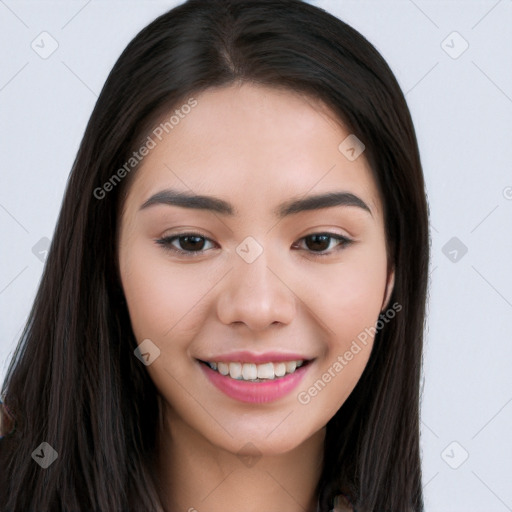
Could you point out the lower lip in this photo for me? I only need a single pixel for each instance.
(255, 392)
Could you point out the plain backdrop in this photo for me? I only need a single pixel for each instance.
(453, 60)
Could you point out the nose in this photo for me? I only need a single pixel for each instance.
(256, 294)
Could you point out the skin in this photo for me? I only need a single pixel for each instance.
(255, 147)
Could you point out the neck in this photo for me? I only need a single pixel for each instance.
(196, 476)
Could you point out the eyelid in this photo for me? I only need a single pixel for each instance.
(166, 241)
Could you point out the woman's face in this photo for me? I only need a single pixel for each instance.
(262, 271)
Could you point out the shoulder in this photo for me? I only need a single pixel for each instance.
(342, 504)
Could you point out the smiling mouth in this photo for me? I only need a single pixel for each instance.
(251, 372)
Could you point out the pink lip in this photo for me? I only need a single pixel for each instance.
(255, 392)
(249, 357)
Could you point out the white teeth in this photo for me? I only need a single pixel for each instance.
(266, 371)
(249, 371)
(290, 366)
(279, 369)
(235, 370)
(223, 368)
(253, 372)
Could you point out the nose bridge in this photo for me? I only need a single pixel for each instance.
(255, 276)
(255, 293)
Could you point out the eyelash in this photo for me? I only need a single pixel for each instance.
(167, 241)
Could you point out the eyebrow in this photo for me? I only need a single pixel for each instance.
(214, 204)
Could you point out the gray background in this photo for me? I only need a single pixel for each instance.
(461, 102)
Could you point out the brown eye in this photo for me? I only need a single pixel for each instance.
(188, 244)
(319, 243)
(193, 244)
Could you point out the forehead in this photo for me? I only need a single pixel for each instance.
(254, 145)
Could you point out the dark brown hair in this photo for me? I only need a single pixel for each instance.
(74, 382)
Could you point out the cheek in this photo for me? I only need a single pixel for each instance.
(160, 298)
(348, 298)
(348, 302)
(357, 301)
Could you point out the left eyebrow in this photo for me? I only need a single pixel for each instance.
(321, 201)
(217, 205)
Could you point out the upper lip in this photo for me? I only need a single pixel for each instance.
(250, 357)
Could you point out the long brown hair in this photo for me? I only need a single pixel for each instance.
(74, 382)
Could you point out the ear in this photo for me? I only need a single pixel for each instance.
(389, 289)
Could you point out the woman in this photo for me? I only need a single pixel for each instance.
(231, 314)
